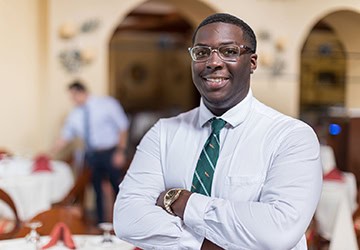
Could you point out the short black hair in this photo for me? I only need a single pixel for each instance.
(77, 86)
(249, 34)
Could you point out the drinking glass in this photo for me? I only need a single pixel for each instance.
(106, 227)
(33, 236)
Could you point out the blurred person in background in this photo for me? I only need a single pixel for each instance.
(232, 173)
(102, 125)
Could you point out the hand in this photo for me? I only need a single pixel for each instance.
(119, 158)
(160, 199)
(208, 245)
(178, 208)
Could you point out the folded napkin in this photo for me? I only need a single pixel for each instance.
(42, 163)
(334, 175)
(4, 154)
(60, 232)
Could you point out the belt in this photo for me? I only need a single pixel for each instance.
(101, 150)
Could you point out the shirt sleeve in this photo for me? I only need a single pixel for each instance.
(68, 131)
(137, 219)
(286, 205)
(118, 114)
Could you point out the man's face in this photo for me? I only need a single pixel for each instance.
(78, 97)
(222, 84)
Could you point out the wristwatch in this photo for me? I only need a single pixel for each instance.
(170, 197)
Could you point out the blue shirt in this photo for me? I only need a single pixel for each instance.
(106, 120)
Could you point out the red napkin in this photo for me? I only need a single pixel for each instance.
(42, 163)
(3, 154)
(60, 232)
(334, 175)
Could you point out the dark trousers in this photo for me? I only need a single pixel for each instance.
(100, 163)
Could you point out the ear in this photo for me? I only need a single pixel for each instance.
(253, 62)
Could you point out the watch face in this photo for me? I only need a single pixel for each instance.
(171, 194)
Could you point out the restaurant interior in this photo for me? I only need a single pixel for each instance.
(136, 51)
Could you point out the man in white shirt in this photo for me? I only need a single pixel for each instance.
(265, 181)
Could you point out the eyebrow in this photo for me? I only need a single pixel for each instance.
(223, 43)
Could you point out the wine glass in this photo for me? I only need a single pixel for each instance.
(106, 227)
(33, 236)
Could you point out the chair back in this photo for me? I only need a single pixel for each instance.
(9, 227)
(77, 193)
(70, 215)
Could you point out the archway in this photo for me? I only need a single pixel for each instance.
(341, 79)
(338, 42)
(323, 70)
(149, 62)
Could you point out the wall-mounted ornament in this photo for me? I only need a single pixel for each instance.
(89, 25)
(272, 56)
(87, 55)
(75, 56)
(68, 30)
(71, 60)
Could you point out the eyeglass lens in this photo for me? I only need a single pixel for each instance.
(226, 52)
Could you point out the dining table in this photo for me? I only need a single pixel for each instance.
(337, 204)
(82, 242)
(33, 191)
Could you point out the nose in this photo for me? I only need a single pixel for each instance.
(214, 60)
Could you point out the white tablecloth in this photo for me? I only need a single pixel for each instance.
(33, 192)
(327, 158)
(82, 242)
(337, 204)
(334, 213)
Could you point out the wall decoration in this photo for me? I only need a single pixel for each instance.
(67, 30)
(71, 60)
(272, 56)
(74, 57)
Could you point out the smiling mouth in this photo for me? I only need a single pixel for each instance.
(216, 82)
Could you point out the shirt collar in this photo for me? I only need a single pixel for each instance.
(234, 116)
(88, 101)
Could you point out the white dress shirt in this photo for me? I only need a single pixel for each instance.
(106, 119)
(266, 185)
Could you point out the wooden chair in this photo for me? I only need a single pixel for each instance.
(15, 224)
(70, 215)
(314, 240)
(75, 199)
(77, 193)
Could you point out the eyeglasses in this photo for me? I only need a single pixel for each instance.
(228, 53)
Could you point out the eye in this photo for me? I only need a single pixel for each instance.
(201, 52)
(229, 51)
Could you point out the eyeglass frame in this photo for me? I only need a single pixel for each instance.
(241, 46)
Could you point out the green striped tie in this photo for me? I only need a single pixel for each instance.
(204, 172)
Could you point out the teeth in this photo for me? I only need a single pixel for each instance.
(215, 79)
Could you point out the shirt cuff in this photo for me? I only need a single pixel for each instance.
(195, 211)
(189, 239)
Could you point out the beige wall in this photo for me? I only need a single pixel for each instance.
(22, 72)
(39, 82)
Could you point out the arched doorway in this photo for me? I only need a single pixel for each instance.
(338, 83)
(149, 60)
(150, 65)
(323, 71)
